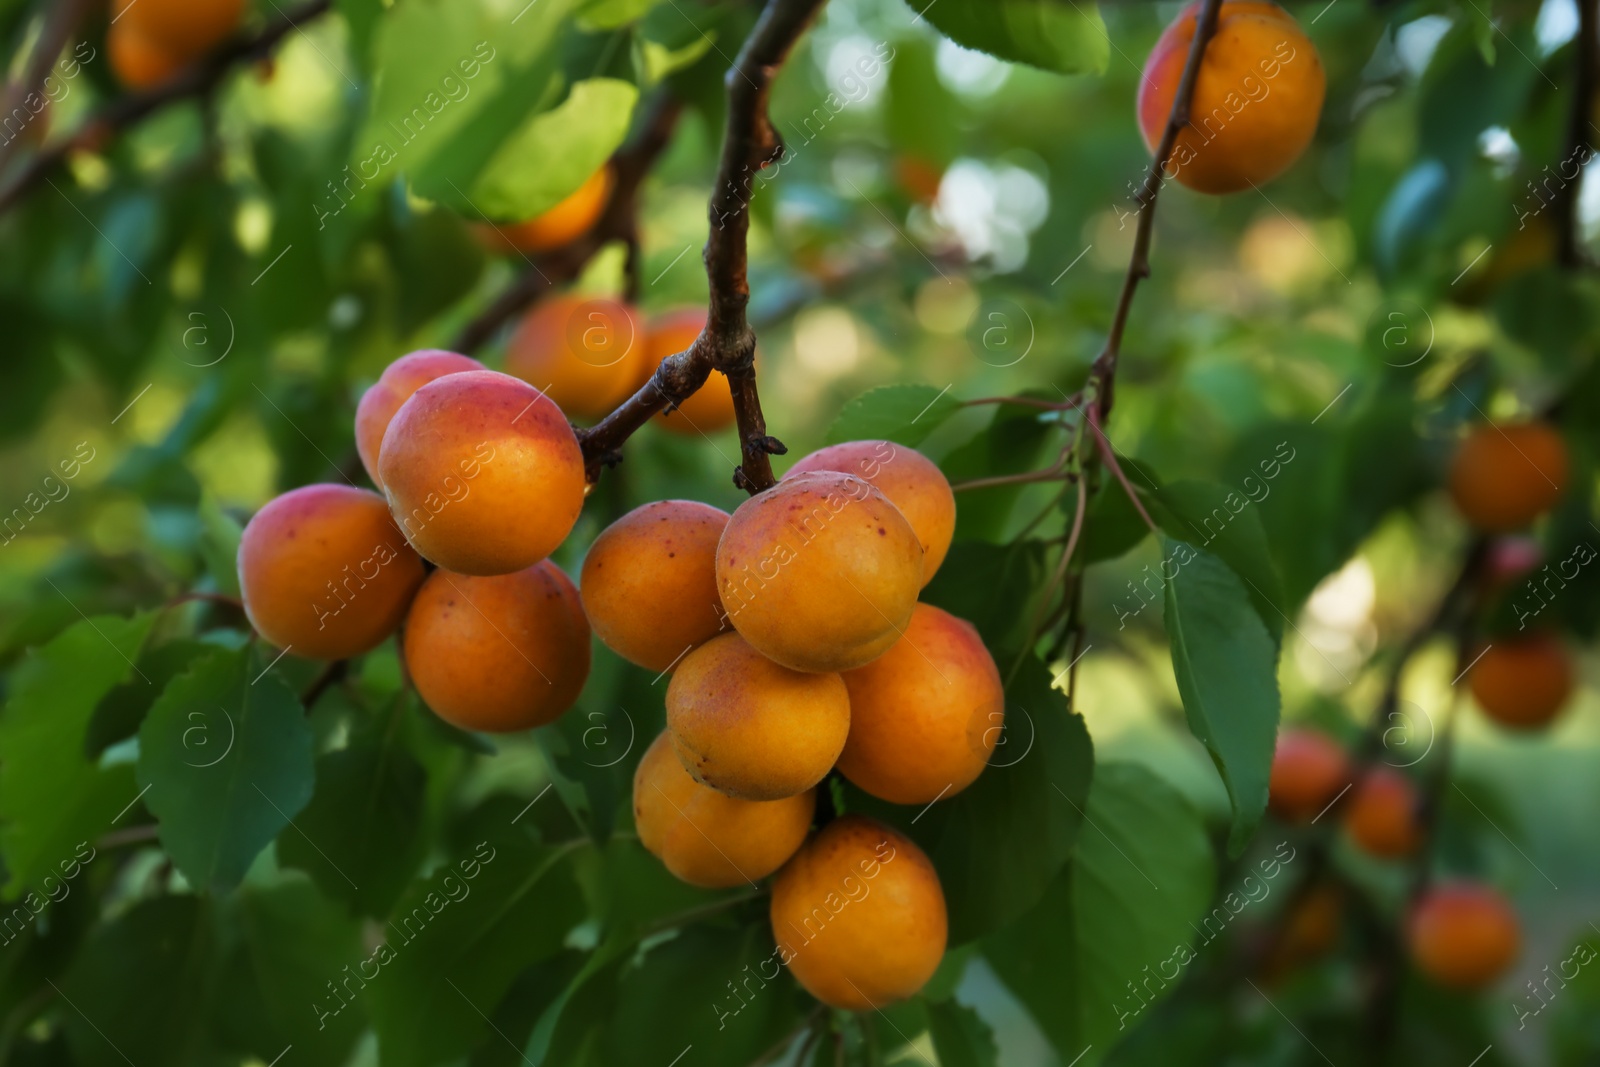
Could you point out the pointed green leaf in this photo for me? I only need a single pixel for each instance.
(1067, 38)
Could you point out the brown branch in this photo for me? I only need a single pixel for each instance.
(127, 111)
(1580, 146)
(326, 679)
(61, 22)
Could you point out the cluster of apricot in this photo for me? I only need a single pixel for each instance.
(1461, 934)
(151, 40)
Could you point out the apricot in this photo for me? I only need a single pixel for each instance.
(587, 354)
(497, 654)
(1463, 935)
(912, 482)
(708, 409)
(707, 838)
(325, 573)
(184, 29)
(483, 473)
(920, 178)
(925, 715)
(1522, 682)
(859, 915)
(1308, 771)
(394, 387)
(820, 572)
(1256, 100)
(570, 219)
(649, 582)
(1382, 814)
(751, 728)
(1505, 476)
(137, 61)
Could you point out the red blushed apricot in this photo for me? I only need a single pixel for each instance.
(1522, 682)
(562, 224)
(498, 654)
(587, 354)
(859, 915)
(325, 573)
(649, 582)
(1382, 814)
(707, 838)
(820, 572)
(1256, 101)
(1504, 477)
(911, 481)
(751, 728)
(1308, 770)
(711, 407)
(394, 387)
(483, 473)
(183, 29)
(1463, 936)
(926, 714)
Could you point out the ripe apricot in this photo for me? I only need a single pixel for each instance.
(710, 408)
(751, 728)
(587, 354)
(1463, 935)
(649, 582)
(1505, 476)
(920, 178)
(1308, 770)
(325, 573)
(184, 29)
(1382, 814)
(859, 915)
(1522, 682)
(1256, 100)
(912, 482)
(394, 387)
(137, 61)
(820, 572)
(498, 654)
(483, 473)
(926, 714)
(708, 838)
(570, 219)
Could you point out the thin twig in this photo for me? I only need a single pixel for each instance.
(1109, 455)
(1580, 145)
(327, 679)
(61, 19)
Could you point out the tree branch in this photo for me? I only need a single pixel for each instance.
(60, 23)
(1580, 146)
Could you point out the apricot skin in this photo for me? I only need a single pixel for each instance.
(1522, 683)
(1504, 477)
(706, 838)
(325, 572)
(138, 62)
(649, 582)
(1308, 771)
(859, 915)
(567, 221)
(911, 481)
(1382, 814)
(711, 407)
(926, 714)
(498, 654)
(750, 728)
(820, 572)
(1463, 936)
(394, 387)
(1256, 102)
(183, 29)
(483, 473)
(587, 354)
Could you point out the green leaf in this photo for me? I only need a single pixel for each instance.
(904, 414)
(219, 545)
(992, 587)
(226, 756)
(1121, 913)
(1226, 665)
(960, 1037)
(1225, 523)
(120, 712)
(51, 796)
(1113, 526)
(1066, 38)
(609, 14)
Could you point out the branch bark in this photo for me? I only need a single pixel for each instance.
(1586, 61)
(60, 23)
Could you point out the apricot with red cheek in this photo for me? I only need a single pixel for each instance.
(394, 387)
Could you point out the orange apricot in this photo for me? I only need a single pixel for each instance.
(138, 61)
(498, 654)
(1505, 476)
(919, 177)
(1308, 771)
(649, 582)
(325, 573)
(708, 409)
(184, 29)
(570, 219)
(394, 387)
(1522, 682)
(926, 714)
(859, 915)
(1256, 100)
(820, 573)
(707, 838)
(1463, 935)
(587, 354)
(912, 482)
(1382, 814)
(751, 728)
(483, 473)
